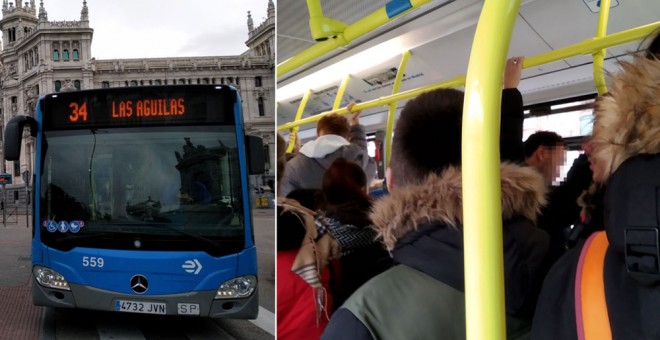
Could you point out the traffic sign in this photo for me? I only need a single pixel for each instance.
(5, 178)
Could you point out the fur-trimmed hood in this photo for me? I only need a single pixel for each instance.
(440, 199)
(627, 120)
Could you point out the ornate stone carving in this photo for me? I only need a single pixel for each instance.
(68, 86)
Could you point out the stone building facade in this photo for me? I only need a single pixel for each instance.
(41, 56)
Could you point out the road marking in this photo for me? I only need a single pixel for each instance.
(264, 218)
(265, 320)
(47, 328)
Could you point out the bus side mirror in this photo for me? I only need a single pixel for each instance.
(14, 135)
(255, 155)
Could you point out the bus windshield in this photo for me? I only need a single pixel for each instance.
(156, 188)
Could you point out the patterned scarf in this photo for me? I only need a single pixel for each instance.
(325, 239)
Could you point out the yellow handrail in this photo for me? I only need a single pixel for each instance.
(351, 32)
(454, 82)
(593, 44)
(340, 91)
(599, 56)
(482, 231)
(583, 48)
(392, 107)
(294, 129)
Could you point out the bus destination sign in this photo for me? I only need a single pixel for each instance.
(125, 109)
(146, 106)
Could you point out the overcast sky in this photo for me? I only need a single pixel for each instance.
(163, 28)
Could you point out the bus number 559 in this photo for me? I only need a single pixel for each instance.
(91, 261)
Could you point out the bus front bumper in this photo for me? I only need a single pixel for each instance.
(196, 303)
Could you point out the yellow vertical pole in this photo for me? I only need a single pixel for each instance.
(340, 91)
(599, 57)
(315, 9)
(391, 114)
(482, 206)
(294, 130)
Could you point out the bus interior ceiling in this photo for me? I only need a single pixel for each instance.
(439, 37)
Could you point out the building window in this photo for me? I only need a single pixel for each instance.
(56, 55)
(75, 55)
(236, 80)
(12, 34)
(105, 85)
(157, 82)
(261, 107)
(65, 54)
(17, 168)
(230, 80)
(76, 83)
(58, 85)
(182, 81)
(134, 83)
(257, 81)
(205, 81)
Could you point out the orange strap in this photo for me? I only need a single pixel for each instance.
(590, 306)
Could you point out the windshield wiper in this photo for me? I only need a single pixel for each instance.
(169, 226)
(214, 246)
(77, 237)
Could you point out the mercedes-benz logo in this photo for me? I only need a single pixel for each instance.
(139, 284)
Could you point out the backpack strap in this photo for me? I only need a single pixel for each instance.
(592, 319)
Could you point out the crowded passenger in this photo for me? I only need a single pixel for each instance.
(608, 286)
(545, 152)
(346, 214)
(590, 202)
(420, 223)
(302, 307)
(511, 130)
(335, 138)
(326, 249)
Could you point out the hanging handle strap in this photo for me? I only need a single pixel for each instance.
(590, 305)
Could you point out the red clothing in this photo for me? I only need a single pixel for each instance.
(296, 311)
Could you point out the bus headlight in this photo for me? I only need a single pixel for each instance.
(50, 278)
(238, 287)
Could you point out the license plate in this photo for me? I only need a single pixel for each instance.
(188, 308)
(140, 307)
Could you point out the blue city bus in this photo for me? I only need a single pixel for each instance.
(129, 214)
